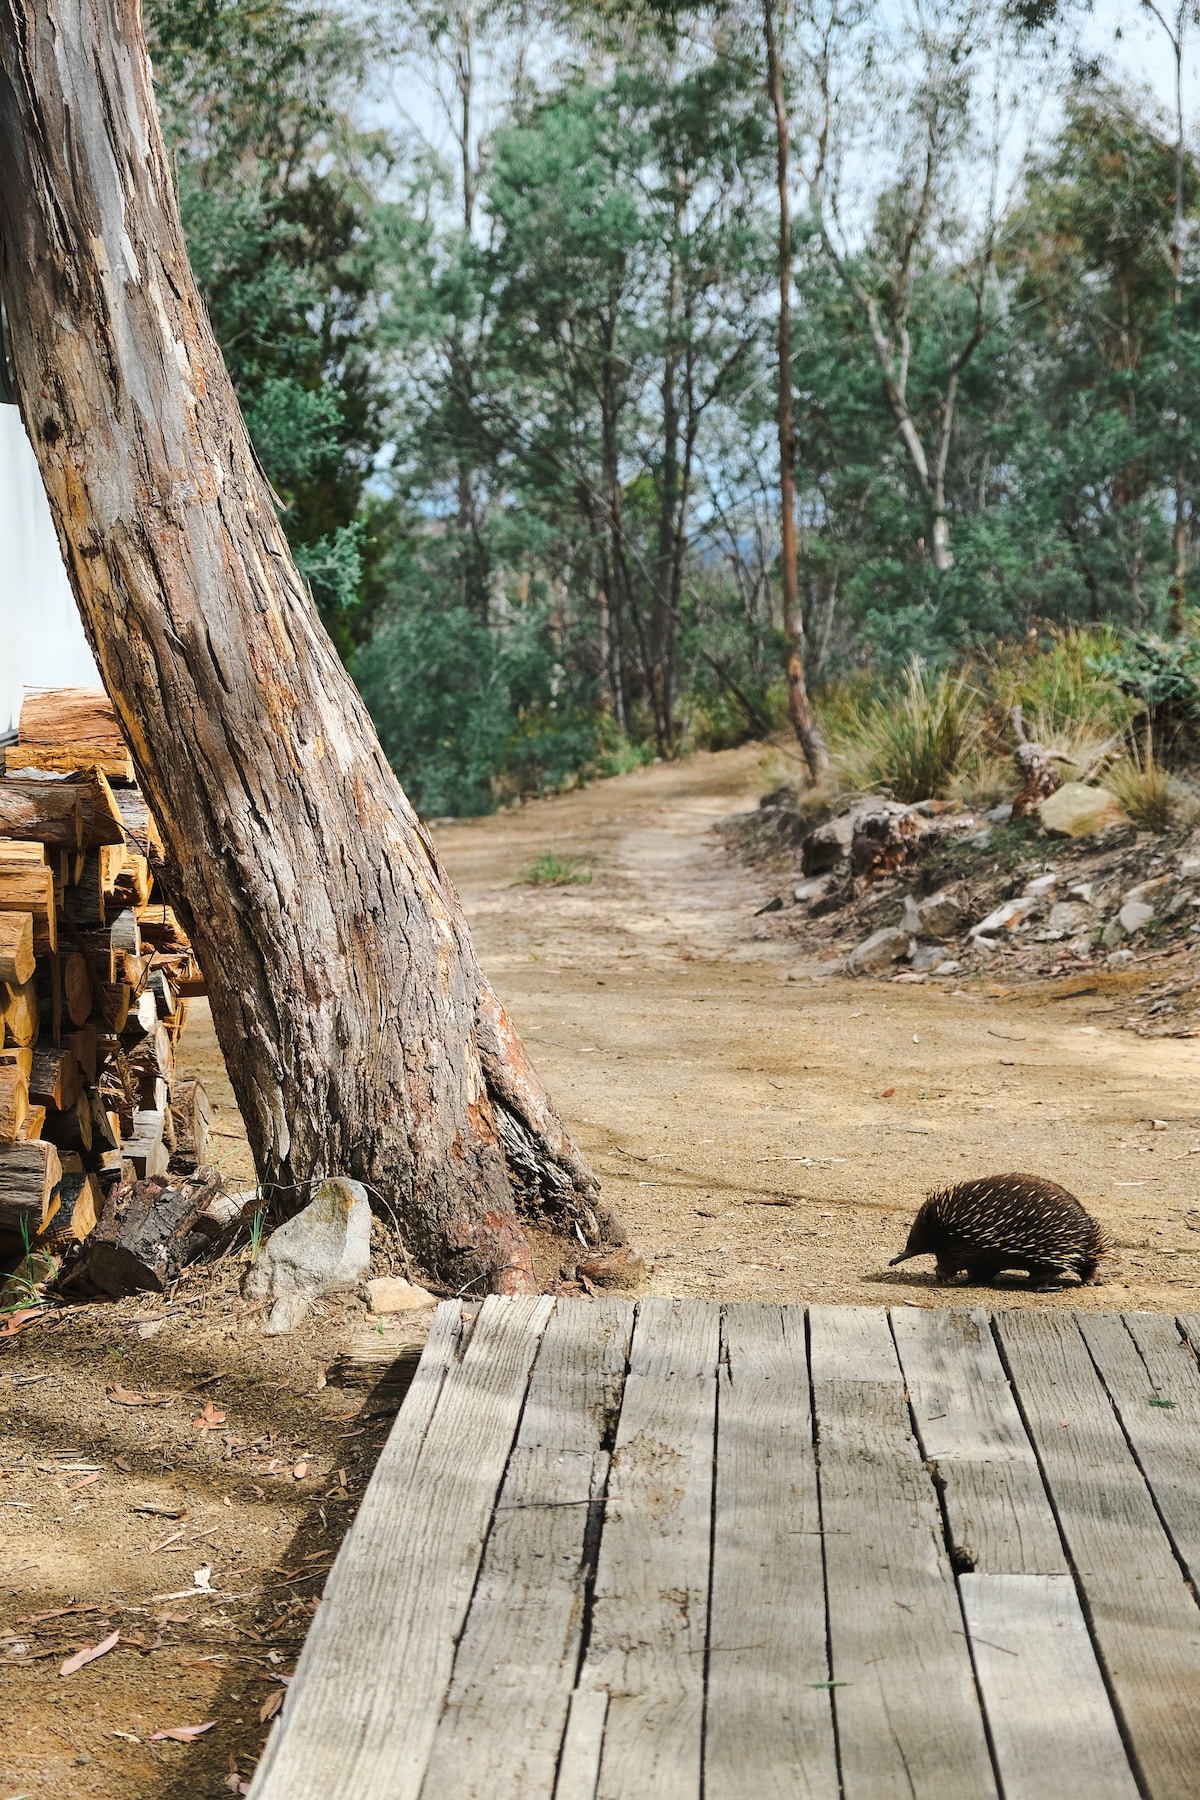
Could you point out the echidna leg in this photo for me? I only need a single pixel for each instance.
(1046, 1278)
(948, 1271)
(1089, 1272)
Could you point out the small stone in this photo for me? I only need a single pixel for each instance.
(999, 815)
(1083, 891)
(926, 957)
(813, 889)
(324, 1249)
(1119, 959)
(1008, 916)
(1077, 810)
(1189, 866)
(949, 967)
(288, 1312)
(1134, 915)
(620, 1267)
(1158, 1125)
(940, 915)
(879, 950)
(1067, 916)
(1146, 891)
(391, 1294)
(1040, 886)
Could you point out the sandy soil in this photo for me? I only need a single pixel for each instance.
(766, 1129)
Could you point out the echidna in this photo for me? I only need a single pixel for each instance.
(1006, 1222)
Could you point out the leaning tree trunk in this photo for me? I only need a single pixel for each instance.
(360, 1034)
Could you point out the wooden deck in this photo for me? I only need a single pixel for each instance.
(673, 1549)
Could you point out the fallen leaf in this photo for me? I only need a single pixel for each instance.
(86, 1482)
(181, 1734)
(887, 1093)
(160, 1512)
(119, 1396)
(210, 1418)
(300, 1471)
(86, 1656)
(270, 1706)
(126, 1468)
(19, 1320)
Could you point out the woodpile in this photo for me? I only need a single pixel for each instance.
(95, 976)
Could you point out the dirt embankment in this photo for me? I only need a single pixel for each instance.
(767, 1129)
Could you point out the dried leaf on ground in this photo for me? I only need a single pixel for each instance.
(181, 1734)
(210, 1418)
(270, 1706)
(19, 1320)
(86, 1656)
(120, 1396)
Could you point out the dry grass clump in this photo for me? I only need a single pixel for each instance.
(1144, 789)
(914, 746)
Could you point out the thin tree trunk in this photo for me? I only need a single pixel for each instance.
(804, 722)
(359, 1031)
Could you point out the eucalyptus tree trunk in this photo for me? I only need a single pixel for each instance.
(804, 721)
(360, 1033)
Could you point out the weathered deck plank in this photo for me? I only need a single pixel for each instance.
(970, 1429)
(651, 1597)
(364, 1703)
(907, 1710)
(1145, 1623)
(1155, 1386)
(515, 1668)
(768, 1698)
(1047, 1707)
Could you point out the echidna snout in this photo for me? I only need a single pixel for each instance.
(1006, 1222)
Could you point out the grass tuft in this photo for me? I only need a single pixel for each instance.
(1143, 788)
(918, 745)
(553, 870)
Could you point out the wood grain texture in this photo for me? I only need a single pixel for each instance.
(970, 1429)
(768, 1700)
(1145, 1622)
(1152, 1378)
(502, 1727)
(364, 1705)
(651, 1596)
(1048, 1710)
(583, 1745)
(907, 1711)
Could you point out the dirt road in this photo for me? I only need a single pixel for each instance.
(767, 1129)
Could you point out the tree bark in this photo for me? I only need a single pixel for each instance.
(343, 983)
(804, 722)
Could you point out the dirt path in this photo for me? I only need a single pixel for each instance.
(767, 1129)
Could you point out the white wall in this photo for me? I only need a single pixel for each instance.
(41, 640)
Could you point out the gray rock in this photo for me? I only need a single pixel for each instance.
(926, 957)
(324, 1249)
(941, 916)
(812, 889)
(829, 844)
(1134, 915)
(1119, 959)
(1148, 890)
(879, 951)
(1067, 916)
(1041, 885)
(999, 815)
(1112, 934)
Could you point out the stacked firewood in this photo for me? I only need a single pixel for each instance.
(95, 976)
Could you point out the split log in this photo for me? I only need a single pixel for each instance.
(16, 853)
(159, 926)
(21, 1058)
(147, 1234)
(125, 932)
(16, 947)
(141, 832)
(192, 1115)
(145, 1148)
(97, 946)
(86, 1044)
(56, 1078)
(29, 1174)
(164, 994)
(33, 1124)
(113, 1002)
(131, 883)
(19, 1005)
(14, 1102)
(80, 1202)
(68, 729)
(78, 988)
(29, 888)
(71, 1129)
(76, 812)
